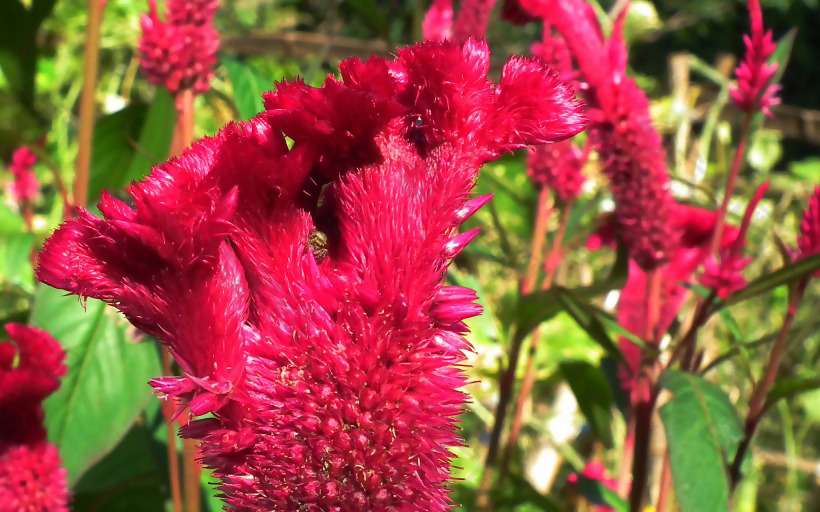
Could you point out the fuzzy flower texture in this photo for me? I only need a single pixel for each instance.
(300, 286)
(180, 52)
(753, 90)
(31, 479)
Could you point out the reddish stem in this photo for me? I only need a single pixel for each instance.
(86, 128)
(666, 484)
(507, 382)
(529, 375)
(170, 433)
(730, 187)
(757, 404)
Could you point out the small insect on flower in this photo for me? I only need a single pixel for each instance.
(317, 242)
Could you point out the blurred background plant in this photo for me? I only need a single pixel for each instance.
(682, 54)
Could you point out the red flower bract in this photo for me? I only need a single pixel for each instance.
(808, 242)
(31, 479)
(329, 362)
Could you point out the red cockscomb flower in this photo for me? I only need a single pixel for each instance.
(438, 21)
(753, 90)
(31, 478)
(300, 286)
(726, 277)
(180, 52)
(558, 167)
(25, 186)
(621, 129)
(808, 242)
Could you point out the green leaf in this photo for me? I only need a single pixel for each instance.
(106, 385)
(155, 137)
(789, 388)
(115, 137)
(248, 86)
(599, 494)
(586, 318)
(594, 397)
(15, 260)
(537, 307)
(787, 274)
(129, 142)
(702, 431)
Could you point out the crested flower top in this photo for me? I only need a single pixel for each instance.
(25, 184)
(621, 128)
(31, 364)
(299, 284)
(180, 52)
(754, 91)
(808, 242)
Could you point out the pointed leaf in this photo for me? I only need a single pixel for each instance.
(248, 86)
(787, 274)
(155, 137)
(599, 494)
(106, 385)
(594, 397)
(788, 388)
(584, 315)
(702, 430)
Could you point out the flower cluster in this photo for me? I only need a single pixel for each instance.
(299, 284)
(558, 167)
(180, 52)
(726, 277)
(25, 184)
(808, 242)
(753, 91)
(621, 129)
(31, 478)
(471, 21)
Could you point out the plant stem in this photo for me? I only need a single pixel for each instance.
(68, 207)
(529, 375)
(643, 436)
(730, 186)
(170, 433)
(86, 128)
(666, 484)
(757, 404)
(507, 382)
(183, 137)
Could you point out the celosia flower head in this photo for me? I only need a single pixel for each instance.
(471, 21)
(753, 90)
(595, 470)
(180, 52)
(31, 479)
(808, 242)
(300, 286)
(621, 128)
(558, 167)
(25, 185)
(438, 21)
(726, 277)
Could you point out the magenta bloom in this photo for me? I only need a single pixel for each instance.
(726, 277)
(31, 478)
(753, 91)
(558, 167)
(595, 470)
(25, 186)
(180, 52)
(621, 129)
(438, 21)
(808, 242)
(300, 286)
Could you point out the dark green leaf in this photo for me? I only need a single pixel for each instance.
(599, 494)
(537, 307)
(248, 86)
(787, 274)
(155, 137)
(106, 385)
(115, 140)
(594, 397)
(585, 316)
(788, 388)
(702, 431)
